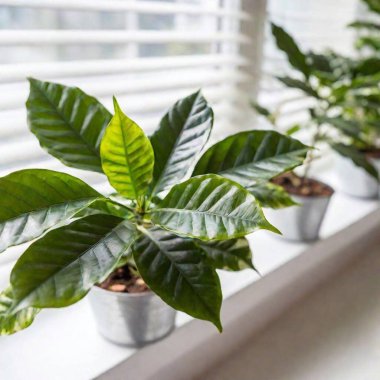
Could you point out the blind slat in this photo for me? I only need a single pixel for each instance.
(74, 37)
(18, 71)
(148, 7)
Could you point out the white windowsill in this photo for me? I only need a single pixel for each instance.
(64, 344)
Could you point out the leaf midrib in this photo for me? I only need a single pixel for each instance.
(176, 210)
(160, 178)
(58, 112)
(47, 207)
(255, 163)
(157, 243)
(129, 168)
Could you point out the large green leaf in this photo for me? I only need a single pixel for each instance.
(34, 200)
(61, 267)
(357, 157)
(270, 195)
(299, 84)
(287, 44)
(210, 207)
(250, 156)
(180, 137)
(12, 323)
(68, 123)
(233, 254)
(127, 156)
(175, 269)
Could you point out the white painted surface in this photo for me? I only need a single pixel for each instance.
(333, 334)
(63, 344)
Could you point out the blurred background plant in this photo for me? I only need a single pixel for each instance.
(345, 93)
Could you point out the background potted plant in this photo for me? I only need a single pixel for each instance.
(336, 119)
(156, 233)
(360, 101)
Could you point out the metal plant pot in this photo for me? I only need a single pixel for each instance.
(131, 319)
(303, 222)
(354, 180)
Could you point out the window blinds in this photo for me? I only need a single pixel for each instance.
(147, 53)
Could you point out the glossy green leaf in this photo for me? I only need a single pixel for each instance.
(34, 200)
(174, 268)
(250, 156)
(210, 207)
(180, 137)
(270, 195)
(68, 123)
(358, 158)
(233, 254)
(12, 323)
(298, 84)
(61, 267)
(127, 156)
(286, 43)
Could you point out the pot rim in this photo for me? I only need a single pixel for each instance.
(148, 293)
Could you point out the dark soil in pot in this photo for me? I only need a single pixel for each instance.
(124, 280)
(296, 185)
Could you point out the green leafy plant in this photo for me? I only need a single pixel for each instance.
(345, 101)
(370, 37)
(175, 218)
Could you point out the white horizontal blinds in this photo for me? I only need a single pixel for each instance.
(147, 53)
(317, 25)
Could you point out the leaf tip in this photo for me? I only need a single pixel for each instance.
(218, 324)
(270, 227)
(116, 105)
(32, 81)
(274, 26)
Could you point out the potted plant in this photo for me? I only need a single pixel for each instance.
(155, 245)
(360, 96)
(332, 121)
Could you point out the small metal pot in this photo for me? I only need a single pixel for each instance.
(131, 319)
(354, 180)
(303, 222)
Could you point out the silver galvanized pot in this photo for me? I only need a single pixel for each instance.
(131, 319)
(355, 181)
(303, 222)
